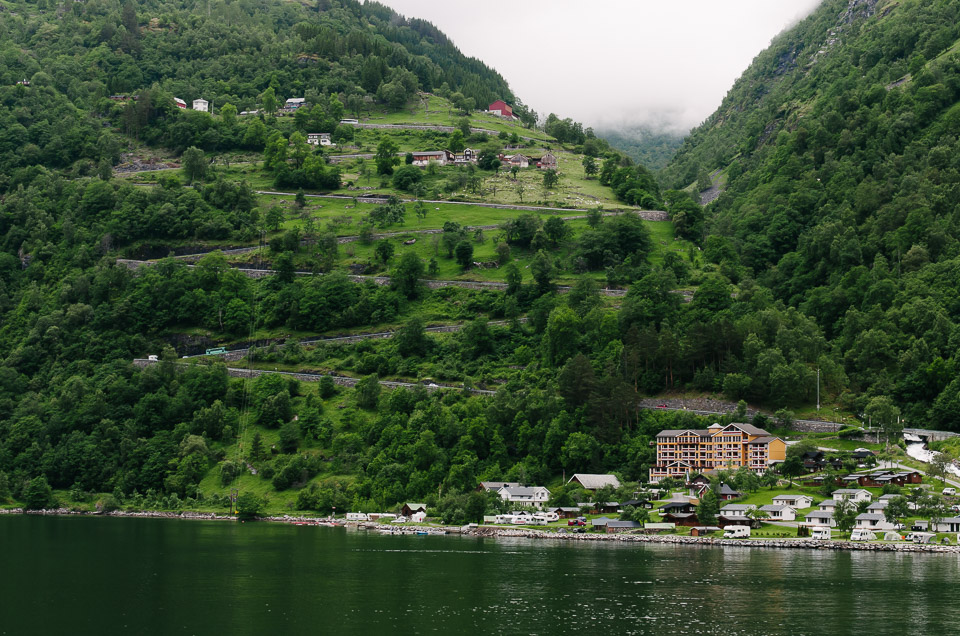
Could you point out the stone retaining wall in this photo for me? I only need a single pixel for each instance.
(786, 544)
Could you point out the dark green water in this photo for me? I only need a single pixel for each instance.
(62, 575)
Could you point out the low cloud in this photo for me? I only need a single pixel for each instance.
(615, 63)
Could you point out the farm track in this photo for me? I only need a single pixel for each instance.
(379, 280)
(343, 240)
(233, 355)
(341, 380)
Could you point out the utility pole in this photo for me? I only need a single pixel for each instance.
(818, 391)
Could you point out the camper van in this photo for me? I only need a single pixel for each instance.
(546, 517)
(861, 534)
(736, 532)
(820, 533)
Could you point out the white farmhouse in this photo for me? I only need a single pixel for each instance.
(535, 496)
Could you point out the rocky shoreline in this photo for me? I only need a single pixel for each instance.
(495, 532)
(783, 544)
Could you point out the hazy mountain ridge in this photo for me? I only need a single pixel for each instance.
(649, 147)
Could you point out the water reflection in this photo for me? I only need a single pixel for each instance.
(158, 577)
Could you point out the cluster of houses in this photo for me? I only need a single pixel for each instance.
(201, 105)
(415, 512)
(546, 162)
(469, 155)
(445, 157)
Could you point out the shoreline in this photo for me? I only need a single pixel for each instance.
(497, 532)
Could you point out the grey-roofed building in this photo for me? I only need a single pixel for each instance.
(820, 518)
(796, 502)
(615, 526)
(779, 512)
(496, 485)
(535, 496)
(872, 521)
(950, 524)
(854, 495)
(736, 510)
(593, 482)
(726, 493)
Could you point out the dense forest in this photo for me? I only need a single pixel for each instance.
(840, 150)
(832, 250)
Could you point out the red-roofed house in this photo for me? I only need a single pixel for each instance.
(501, 109)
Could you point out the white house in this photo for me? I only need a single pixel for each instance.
(950, 524)
(779, 512)
(736, 510)
(202, 105)
(797, 502)
(872, 521)
(179, 102)
(294, 103)
(878, 506)
(828, 505)
(853, 495)
(356, 516)
(469, 155)
(820, 518)
(319, 139)
(534, 496)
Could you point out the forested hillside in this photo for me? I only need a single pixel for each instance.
(841, 155)
(832, 248)
(75, 56)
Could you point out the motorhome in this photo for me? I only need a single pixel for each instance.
(736, 532)
(862, 534)
(820, 533)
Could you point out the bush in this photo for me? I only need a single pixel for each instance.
(249, 505)
(406, 177)
(38, 494)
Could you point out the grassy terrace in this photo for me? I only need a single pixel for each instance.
(429, 246)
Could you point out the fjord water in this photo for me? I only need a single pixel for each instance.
(154, 576)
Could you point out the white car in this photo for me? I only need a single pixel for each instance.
(950, 491)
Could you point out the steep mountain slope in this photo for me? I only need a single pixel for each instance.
(840, 148)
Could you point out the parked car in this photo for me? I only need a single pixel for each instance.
(950, 491)
(576, 522)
